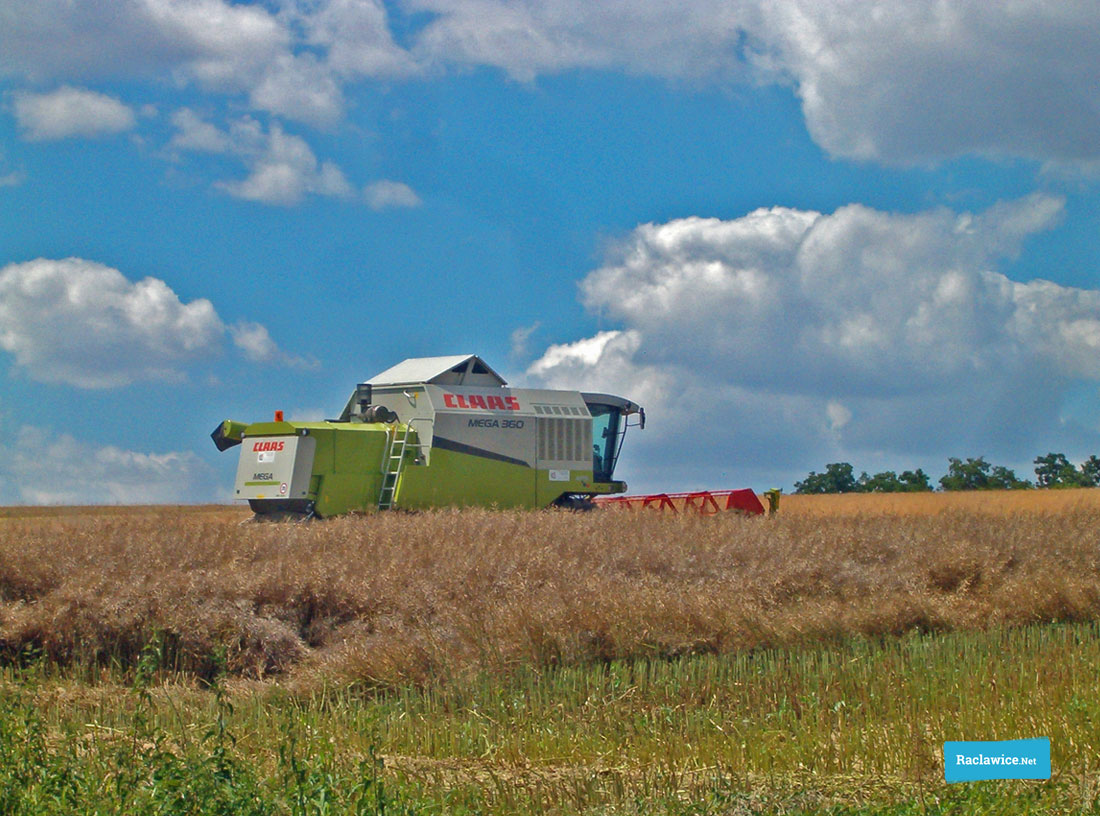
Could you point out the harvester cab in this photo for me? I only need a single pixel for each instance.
(609, 424)
(432, 432)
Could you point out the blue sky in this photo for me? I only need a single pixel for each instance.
(797, 232)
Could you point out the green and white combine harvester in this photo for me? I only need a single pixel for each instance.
(434, 432)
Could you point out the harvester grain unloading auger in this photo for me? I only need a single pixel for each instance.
(444, 431)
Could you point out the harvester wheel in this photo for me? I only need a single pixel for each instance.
(576, 503)
(282, 517)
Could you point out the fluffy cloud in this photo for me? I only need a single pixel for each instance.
(255, 343)
(44, 467)
(881, 80)
(285, 172)
(11, 178)
(900, 81)
(532, 37)
(886, 80)
(282, 167)
(386, 194)
(194, 133)
(955, 79)
(520, 337)
(83, 323)
(605, 360)
(357, 37)
(212, 39)
(218, 45)
(299, 87)
(809, 333)
(69, 112)
(237, 48)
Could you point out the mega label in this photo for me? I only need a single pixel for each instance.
(495, 423)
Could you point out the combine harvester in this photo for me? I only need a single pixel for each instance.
(447, 431)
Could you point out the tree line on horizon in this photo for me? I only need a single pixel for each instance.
(1053, 470)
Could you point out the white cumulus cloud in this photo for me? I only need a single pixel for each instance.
(46, 467)
(357, 37)
(195, 133)
(531, 37)
(84, 323)
(285, 60)
(797, 332)
(883, 80)
(880, 80)
(282, 167)
(68, 112)
(386, 194)
(900, 81)
(299, 87)
(255, 342)
(520, 337)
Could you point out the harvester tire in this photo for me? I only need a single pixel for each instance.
(577, 504)
(282, 517)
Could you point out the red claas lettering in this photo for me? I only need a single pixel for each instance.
(478, 402)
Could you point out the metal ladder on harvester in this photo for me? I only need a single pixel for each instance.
(394, 462)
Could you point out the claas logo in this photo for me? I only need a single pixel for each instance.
(268, 445)
(478, 401)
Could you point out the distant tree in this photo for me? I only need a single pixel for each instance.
(885, 482)
(1055, 470)
(978, 474)
(1002, 478)
(1090, 472)
(914, 481)
(889, 482)
(970, 475)
(837, 478)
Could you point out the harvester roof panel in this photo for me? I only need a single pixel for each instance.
(460, 369)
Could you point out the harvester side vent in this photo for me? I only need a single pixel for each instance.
(560, 410)
(562, 440)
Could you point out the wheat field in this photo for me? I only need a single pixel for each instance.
(176, 660)
(984, 502)
(429, 597)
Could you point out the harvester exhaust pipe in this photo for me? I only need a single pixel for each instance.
(378, 413)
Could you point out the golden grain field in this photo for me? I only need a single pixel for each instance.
(992, 502)
(393, 598)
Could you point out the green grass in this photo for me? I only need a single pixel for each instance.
(850, 728)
